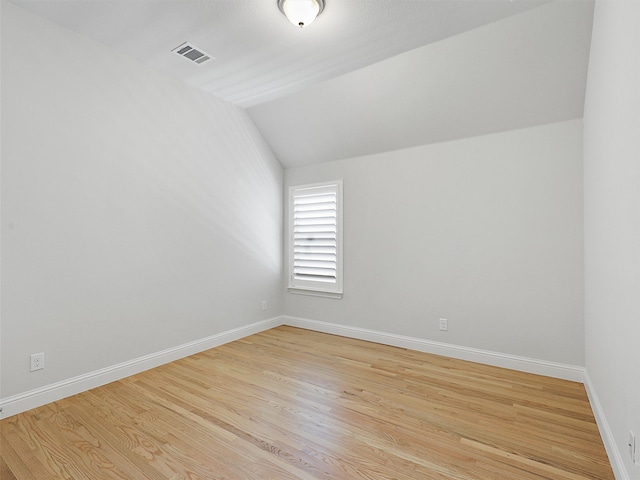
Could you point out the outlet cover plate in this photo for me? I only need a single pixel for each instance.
(37, 361)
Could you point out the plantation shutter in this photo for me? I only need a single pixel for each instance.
(315, 237)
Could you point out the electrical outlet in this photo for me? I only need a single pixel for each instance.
(444, 324)
(37, 361)
(264, 305)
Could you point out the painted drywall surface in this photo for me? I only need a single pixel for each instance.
(486, 232)
(612, 218)
(137, 213)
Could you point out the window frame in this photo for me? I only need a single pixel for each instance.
(310, 287)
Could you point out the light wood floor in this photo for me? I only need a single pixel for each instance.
(295, 404)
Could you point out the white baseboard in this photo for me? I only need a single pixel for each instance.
(513, 362)
(50, 393)
(34, 398)
(615, 457)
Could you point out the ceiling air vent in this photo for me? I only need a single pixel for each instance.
(191, 52)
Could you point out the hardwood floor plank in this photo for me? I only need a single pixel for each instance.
(292, 404)
(9, 455)
(5, 473)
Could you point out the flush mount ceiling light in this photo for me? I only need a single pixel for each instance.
(301, 12)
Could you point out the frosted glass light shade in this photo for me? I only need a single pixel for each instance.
(301, 12)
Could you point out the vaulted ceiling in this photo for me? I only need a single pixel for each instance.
(368, 75)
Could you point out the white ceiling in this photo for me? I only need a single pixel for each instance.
(368, 75)
(523, 71)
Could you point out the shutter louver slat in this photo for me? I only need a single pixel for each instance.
(316, 213)
(311, 207)
(328, 236)
(313, 256)
(314, 221)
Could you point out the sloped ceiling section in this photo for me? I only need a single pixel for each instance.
(525, 70)
(369, 75)
(258, 54)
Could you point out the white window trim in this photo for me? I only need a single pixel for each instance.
(319, 289)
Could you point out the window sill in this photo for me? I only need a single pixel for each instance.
(314, 293)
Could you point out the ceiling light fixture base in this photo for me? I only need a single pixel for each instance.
(301, 12)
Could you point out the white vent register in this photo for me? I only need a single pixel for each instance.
(191, 52)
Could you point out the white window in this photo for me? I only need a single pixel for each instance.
(315, 239)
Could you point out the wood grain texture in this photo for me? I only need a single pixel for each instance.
(290, 403)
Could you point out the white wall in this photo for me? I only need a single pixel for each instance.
(612, 220)
(137, 213)
(485, 231)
